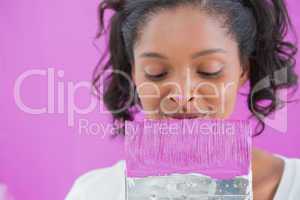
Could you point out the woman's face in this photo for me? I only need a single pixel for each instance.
(186, 66)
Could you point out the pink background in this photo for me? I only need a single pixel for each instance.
(40, 156)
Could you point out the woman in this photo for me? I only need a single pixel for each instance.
(188, 59)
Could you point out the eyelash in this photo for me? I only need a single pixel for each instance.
(210, 75)
(204, 74)
(156, 77)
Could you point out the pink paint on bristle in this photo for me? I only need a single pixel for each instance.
(216, 148)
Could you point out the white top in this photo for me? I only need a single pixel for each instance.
(109, 183)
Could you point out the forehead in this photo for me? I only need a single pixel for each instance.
(183, 30)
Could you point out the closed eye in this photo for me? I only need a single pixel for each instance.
(210, 74)
(202, 73)
(156, 77)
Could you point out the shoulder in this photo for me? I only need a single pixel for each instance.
(289, 185)
(105, 183)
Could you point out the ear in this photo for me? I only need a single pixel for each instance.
(244, 77)
(133, 73)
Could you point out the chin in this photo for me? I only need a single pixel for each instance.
(182, 118)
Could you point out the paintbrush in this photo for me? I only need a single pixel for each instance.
(188, 159)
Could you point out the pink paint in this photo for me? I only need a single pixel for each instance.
(216, 148)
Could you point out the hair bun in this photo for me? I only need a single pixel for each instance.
(116, 5)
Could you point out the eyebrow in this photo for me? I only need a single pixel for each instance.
(194, 56)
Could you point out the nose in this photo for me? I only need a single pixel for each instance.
(182, 95)
(182, 101)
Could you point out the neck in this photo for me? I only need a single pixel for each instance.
(267, 171)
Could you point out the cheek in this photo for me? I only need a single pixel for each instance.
(229, 92)
(149, 95)
(220, 97)
(228, 99)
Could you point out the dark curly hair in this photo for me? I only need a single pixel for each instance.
(258, 26)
